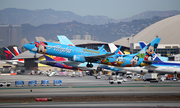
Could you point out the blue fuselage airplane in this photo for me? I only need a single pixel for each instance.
(142, 58)
(82, 55)
(73, 53)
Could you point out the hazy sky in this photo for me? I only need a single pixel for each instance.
(116, 9)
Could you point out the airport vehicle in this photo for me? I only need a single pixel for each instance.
(57, 82)
(32, 83)
(98, 76)
(118, 81)
(19, 83)
(4, 83)
(44, 82)
(123, 79)
(128, 75)
(75, 54)
(150, 76)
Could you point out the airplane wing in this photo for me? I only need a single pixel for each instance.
(97, 58)
(46, 62)
(69, 63)
(150, 61)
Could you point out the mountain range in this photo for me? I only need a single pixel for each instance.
(107, 32)
(49, 16)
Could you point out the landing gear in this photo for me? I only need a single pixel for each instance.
(89, 65)
(99, 68)
(35, 56)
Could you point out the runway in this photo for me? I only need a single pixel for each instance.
(88, 89)
(93, 104)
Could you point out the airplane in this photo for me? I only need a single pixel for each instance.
(161, 67)
(73, 53)
(164, 67)
(64, 40)
(10, 56)
(142, 58)
(69, 64)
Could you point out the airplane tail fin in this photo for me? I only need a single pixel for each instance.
(101, 49)
(8, 53)
(113, 48)
(48, 58)
(117, 51)
(64, 40)
(148, 51)
(52, 58)
(142, 45)
(17, 51)
(155, 58)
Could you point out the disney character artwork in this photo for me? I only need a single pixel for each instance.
(150, 51)
(142, 58)
(41, 47)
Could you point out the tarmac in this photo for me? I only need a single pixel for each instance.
(89, 90)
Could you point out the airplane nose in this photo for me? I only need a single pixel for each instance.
(30, 47)
(26, 46)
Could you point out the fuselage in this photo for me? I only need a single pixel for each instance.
(61, 50)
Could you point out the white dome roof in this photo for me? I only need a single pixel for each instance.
(167, 29)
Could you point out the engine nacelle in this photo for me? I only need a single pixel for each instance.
(77, 58)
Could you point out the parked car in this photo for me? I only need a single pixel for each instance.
(128, 75)
(98, 77)
(118, 81)
(123, 79)
(4, 83)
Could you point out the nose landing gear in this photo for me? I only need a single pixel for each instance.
(89, 65)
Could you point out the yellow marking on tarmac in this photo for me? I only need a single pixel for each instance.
(146, 86)
(70, 86)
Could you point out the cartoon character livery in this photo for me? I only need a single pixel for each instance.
(142, 58)
(73, 53)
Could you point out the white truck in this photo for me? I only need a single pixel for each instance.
(115, 80)
(4, 83)
(150, 77)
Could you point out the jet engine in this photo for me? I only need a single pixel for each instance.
(77, 58)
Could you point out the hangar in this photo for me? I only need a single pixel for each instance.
(167, 29)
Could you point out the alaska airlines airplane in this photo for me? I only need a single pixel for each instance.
(166, 67)
(142, 58)
(64, 40)
(76, 54)
(70, 64)
(162, 67)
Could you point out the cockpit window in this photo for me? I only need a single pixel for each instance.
(31, 43)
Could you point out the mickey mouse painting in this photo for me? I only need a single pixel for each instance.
(150, 51)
